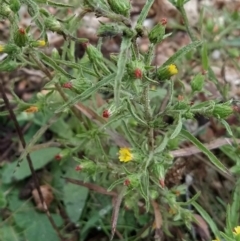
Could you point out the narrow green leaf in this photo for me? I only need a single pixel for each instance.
(204, 56)
(163, 145)
(144, 12)
(50, 62)
(207, 218)
(57, 4)
(235, 206)
(177, 129)
(87, 92)
(185, 134)
(227, 126)
(182, 52)
(119, 181)
(122, 61)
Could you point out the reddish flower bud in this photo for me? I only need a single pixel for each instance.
(21, 31)
(162, 183)
(85, 44)
(180, 98)
(126, 182)
(163, 21)
(58, 157)
(67, 85)
(235, 108)
(138, 73)
(78, 168)
(106, 114)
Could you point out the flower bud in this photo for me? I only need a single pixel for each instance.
(20, 37)
(154, 194)
(31, 109)
(15, 5)
(162, 182)
(222, 110)
(106, 114)
(9, 49)
(8, 65)
(53, 25)
(93, 53)
(87, 166)
(164, 73)
(132, 181)
(67, 85)
(63, 153)
(197, 83)
(39, 43)
(4, 10)
(136, 69)
(55, 54)
(157, 33)
(120, 6)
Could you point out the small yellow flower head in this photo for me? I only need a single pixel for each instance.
(172, 68)
(125, 154)
(1, 48)
(41, 43)
(31, 109)
(237, 230)
(217, 239)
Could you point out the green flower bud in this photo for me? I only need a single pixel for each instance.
(189, 115)
(157, 33)
(159, 170)
(93, 53)
(222, 110)
(132, 181)
(15, 5)
(9, 49)
(136, 69)
(154, 194)
(5, 10)
(39, 43)
(197, 83)
(53, 25)
(164, 73)
(8, 65)
(120, 6)
(55, 54)
(20, 37)
(87, 166)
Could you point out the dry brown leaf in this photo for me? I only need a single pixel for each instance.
(47, 196)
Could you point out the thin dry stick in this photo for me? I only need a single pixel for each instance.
(29, 160)
(158, 219)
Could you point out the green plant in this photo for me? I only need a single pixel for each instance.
(132, 120)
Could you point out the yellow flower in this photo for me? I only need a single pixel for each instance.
(31, 109)
(217, 239)
(237, 230)
(172, 68)
(1, 48)
(41, 43)
(125, 154)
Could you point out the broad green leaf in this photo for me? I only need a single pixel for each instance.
(182, 52)
(207, 218)
(177, 129)
(40, 158)
(7, 233)
(3, 201)
(88, 92)
(35, 225)
(185, 134)
(74, 196)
